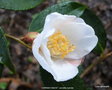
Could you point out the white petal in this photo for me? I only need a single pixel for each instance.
(79, 20)
(64, 70)
(83, 47)
(35, 49)
(76, 31)
(75, 62)
(52, 20)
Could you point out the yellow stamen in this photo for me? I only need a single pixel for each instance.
(59, 45)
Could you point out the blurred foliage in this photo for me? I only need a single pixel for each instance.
(3, 86)
(19, 4)
(5, 58)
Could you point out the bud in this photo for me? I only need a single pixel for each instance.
(29, 37)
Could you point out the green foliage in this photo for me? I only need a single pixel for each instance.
(4, 52)
(19, 4)
(74, 84)
(3, 85)
(76, 9)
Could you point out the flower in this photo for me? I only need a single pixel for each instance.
(62, 44)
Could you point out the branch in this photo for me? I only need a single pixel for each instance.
(97, 61)
(18, 40)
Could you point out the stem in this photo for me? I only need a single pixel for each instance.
(97, 61)
(18, 40)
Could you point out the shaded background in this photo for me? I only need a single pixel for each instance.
(16, 23)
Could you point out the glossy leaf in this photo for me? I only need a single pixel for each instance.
(78, 11)
(4, 52)
(19, 4)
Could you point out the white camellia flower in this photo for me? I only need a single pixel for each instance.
(62, 44)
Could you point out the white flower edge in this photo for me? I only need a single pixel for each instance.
(85, 40)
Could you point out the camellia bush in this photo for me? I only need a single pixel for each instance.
(59, 38)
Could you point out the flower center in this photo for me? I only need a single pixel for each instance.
(59, 46)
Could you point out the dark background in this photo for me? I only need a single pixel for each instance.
(16, 23)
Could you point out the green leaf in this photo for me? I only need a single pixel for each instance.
(4, 52)
(72, 8)
(19, 4)
(3, 85)
(74, 84)
(1, 69)
(77, 9)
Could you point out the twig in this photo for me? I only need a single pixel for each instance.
(18, 40)
(97, 61)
